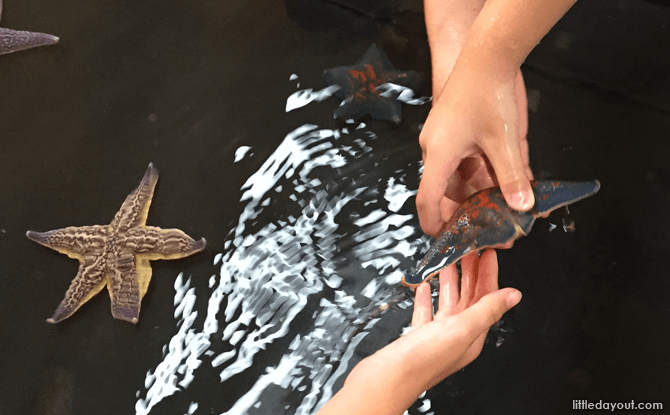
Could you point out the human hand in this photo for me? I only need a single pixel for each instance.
(475, 135)
(474, 138)
(465, 314)
(390, 380)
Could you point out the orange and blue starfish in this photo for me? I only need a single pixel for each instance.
(485, 220)
(360, 84)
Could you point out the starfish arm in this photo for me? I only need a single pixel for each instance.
(154, 243)
(15, 40)
(89, 281)
(410, 79)
(124, 289)
(73, 241)
(351, 108)
(385, 109)
(379, 108)
(135, 208)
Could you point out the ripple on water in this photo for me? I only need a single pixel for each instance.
(297, 258)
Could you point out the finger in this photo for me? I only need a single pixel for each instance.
(506, 245)
(449, 295)
(469, 265)
(457, 186)
(488, 310)
(505, 157)
(487, 278)
(423, 306)
(485, 177)
(437, 169)
(476, 173)
(447, 208)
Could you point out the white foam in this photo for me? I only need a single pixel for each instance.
(303, 97)
(241, 152)
(401, 93)
(191, 408)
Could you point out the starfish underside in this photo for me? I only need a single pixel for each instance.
(15, 40)
(117, 255)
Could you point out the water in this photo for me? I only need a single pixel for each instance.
(293, 269)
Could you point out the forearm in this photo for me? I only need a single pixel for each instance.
(378, 385)
(389, 381)
(506, 31)
(448, 24)
(493, 35)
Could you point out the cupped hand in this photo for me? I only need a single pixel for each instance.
(474, 138)
(436, 345)
(464, 313)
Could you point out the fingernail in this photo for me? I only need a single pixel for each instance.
(519, 195)
(520, 200)
(513, 298)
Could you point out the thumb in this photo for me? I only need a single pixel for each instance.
(489, 309)
(504, 152)
(505, 157)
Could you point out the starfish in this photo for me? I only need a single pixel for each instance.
(485, 220)
(117, 255)
(15, 40)
(359, 85)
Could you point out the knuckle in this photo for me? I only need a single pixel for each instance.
(421, 201)
(425, 139)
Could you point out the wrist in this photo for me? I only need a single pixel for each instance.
(448, 24)
(505, 32)
(488, 58)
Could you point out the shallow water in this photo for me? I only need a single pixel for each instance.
(332, 248)
(308, 220)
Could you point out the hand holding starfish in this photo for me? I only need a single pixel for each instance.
(475, 135)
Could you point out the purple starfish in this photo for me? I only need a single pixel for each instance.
(15, 40)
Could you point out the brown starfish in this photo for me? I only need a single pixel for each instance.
(117, 255)
(15, 40)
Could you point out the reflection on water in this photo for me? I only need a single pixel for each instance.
(320, 242)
